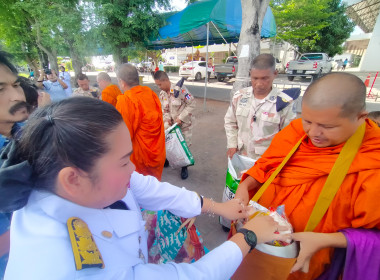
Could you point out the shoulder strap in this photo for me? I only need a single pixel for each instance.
(334, 180)
(291, 95)
(336, 177)
(86, 253)
(263, 188)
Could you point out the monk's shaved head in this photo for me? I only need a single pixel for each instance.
(128, 73)
(340, 90)
(103, 76)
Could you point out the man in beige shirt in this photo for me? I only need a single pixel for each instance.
(258, 112)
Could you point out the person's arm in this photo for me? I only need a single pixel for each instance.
(312, 242)
(62, 83)
(219, 263)
(40, 81)
(231, 127)
(190, 105)
(154, 195)
(249, 184)
(164, 98)
(130, 114)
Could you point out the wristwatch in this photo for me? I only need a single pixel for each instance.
(250, 237)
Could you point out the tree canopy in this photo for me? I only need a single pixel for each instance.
(312, 25)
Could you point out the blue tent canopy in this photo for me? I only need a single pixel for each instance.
(188, 27)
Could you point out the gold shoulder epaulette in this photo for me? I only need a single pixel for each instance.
(86, 253)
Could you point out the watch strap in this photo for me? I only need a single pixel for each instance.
(252, 243)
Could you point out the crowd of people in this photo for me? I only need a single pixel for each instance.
(78, 166)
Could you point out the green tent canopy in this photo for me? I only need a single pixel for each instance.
(188, 27)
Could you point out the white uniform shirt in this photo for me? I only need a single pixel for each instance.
(251, 124)
(41, 248)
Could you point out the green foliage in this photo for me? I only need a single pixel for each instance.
(336, 33)
(298, 22)
(16, 33)
(171, 69)
(127, 22)
(69, 66)
(312, 25)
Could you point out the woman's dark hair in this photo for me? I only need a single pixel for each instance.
(71, 132)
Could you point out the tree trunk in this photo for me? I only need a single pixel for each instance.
(75, 58)
(118, 57)
(51, 53)
(44, 61)
(31, 62)
(253, 12)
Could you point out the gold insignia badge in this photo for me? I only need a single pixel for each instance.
(86, 253)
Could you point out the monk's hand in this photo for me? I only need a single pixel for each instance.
(234, 209)
(310, 243)
(178, 121)
(265, 227)
(231, 152)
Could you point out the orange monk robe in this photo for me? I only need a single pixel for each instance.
(141, 111)
(110, 94)
(297, 186)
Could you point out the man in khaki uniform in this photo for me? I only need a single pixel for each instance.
(176, 109)
(258, 112)
(84, 88)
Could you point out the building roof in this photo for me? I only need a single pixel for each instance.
(363, 13)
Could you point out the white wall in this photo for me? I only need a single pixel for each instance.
(371, 58)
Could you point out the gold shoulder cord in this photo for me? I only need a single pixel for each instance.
(86, 253)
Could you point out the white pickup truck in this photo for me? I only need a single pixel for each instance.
(309, 64)
(227, 70)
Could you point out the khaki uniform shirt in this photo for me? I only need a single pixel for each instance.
(250, 137)
(91, 92)
(181, 107)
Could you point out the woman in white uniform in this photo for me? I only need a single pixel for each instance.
(77, 201)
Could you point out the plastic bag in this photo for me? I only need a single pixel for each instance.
(168, 242)
(237, 166)
(177, 151)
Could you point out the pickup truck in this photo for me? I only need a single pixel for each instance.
(309, 64)
(227, 70)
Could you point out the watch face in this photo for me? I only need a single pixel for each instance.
(251, 237)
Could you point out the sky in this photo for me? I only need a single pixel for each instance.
(178, 5)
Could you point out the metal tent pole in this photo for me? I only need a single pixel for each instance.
(206, 77)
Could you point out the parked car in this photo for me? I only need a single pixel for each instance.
(226, 70)
(309, 64)
(195, 70)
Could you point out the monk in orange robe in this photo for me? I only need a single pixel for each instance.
(333, 108)
(110, 92)
(141, 111)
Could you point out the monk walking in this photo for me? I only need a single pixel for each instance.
(110, 92)
(333, 116)
(141, 111)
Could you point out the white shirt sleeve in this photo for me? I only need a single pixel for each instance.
(219, 264)
(154, 195)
